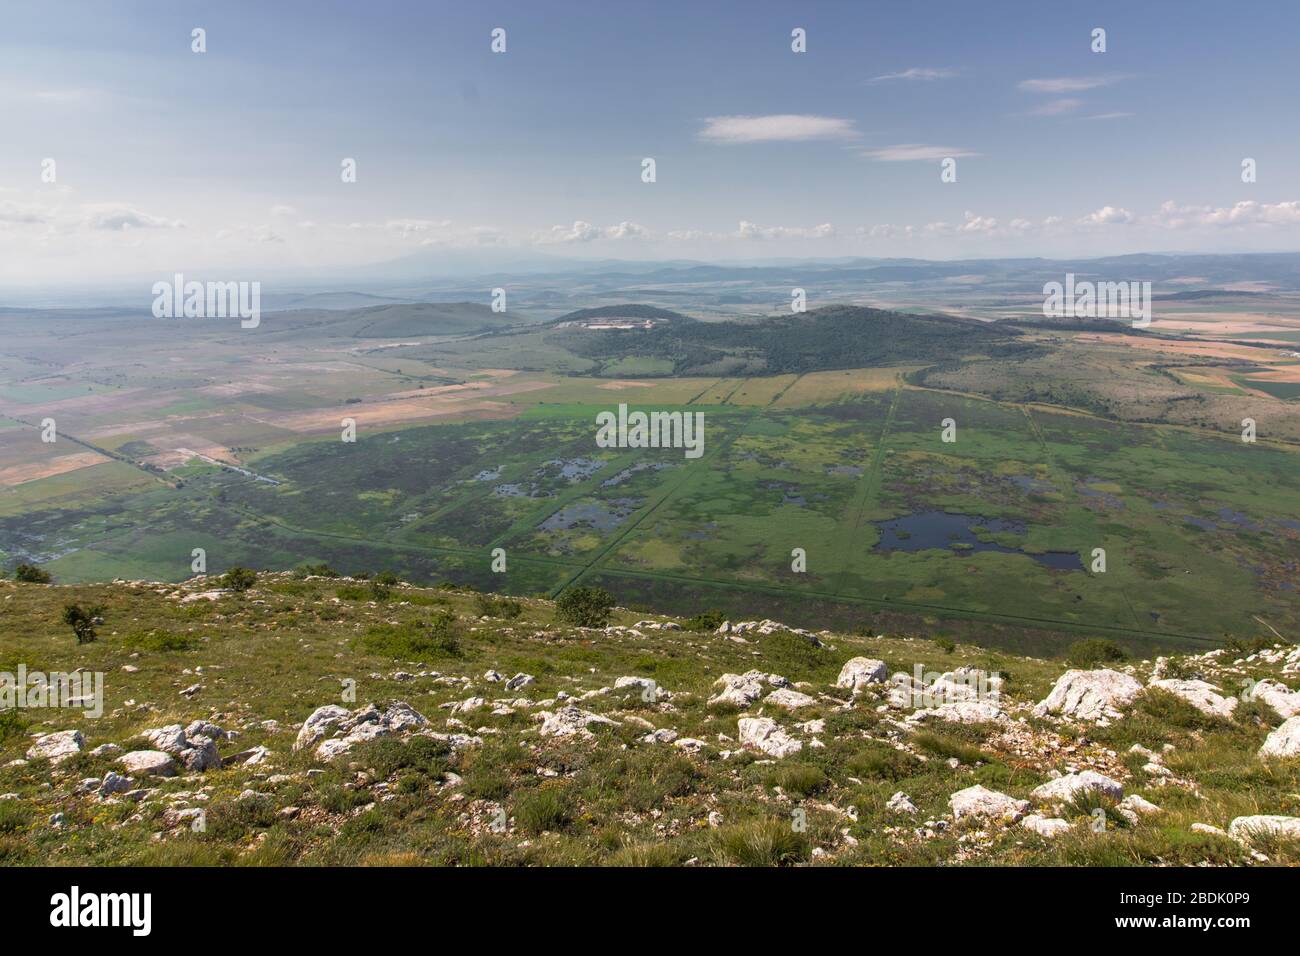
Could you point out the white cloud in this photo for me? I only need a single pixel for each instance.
(1069, 84)
(922, 73)
(1248, 212)
(1110, 116)
(750, 230)
(782, 127)
(585, 232)
(1108, 216)
(909, 152)
(119, 218)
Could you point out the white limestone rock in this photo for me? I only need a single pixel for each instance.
(1247, 829)
(858, 672)
(147, 763)
(789, 699)
(979, 801)
(57, 747)
(1204, 697)
(1048, 827)
(1064, 789)
(1096, 695)
(1284, 741)
(763, 734)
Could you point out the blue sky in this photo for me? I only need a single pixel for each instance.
(168, 159)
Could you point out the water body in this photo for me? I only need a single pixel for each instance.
(927, 530)
(600, 517)
(627, 473)
(576, 469)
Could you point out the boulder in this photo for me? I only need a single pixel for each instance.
(1278, 696)
(1090, 695)
(763, 734)
(979, 801)
(571, 721)
(148, 763)
(789, 699)
(114, 782)
(1132, 808)
(1284, 741)
(738, 689)
(1204, 697)
(200, 755)
(858, 672)
(1064, 789)
(321, 721)
(520, 681)
(57, 747)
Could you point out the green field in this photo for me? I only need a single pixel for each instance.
(1199, 531)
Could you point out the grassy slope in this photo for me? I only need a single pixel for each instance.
(279, 651)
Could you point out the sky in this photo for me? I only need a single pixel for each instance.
(229, 161)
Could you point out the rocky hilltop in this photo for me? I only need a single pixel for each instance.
(303, 719)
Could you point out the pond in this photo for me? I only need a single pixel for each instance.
(925, 530)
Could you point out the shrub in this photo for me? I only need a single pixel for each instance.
(12, 724)
(82, 620)
(31, 574)
(488, 606)
(157, 640)
(439, 636)
(584, 606)
(1094, 651)
(352, 592)
(709, 620)
(238, 579)
(321, 570)
(944, 644)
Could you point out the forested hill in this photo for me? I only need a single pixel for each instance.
(832, 337)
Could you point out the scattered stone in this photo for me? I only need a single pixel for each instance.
(900, 803)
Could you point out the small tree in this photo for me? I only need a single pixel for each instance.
(382, 584)
(31, 574)
(584, 606)
(238, 579)
(82, 621)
